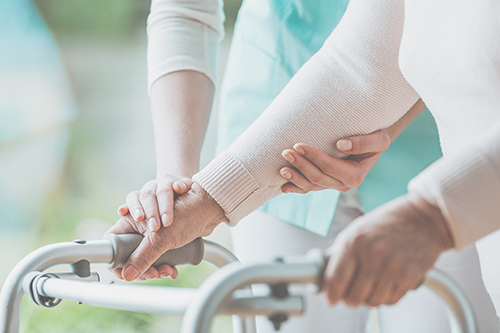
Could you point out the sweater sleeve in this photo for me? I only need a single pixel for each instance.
(184, 35)
(352, 86)
(465, 186)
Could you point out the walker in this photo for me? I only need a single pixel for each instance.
(227, 291)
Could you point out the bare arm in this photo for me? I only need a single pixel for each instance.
(180, 104)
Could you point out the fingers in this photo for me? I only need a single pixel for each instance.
(309, 176)
(150, 249)
(382, 293)
(134, 205)
(299, 180)
(182, 185)
(150, 274)
(376, 142)
(291, 188)
(123, 210)
(149, 204)
(359, 290)
(165, 195)
(338, 277)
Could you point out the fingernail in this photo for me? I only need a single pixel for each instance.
(182, 185)
(130, 273)
(152, 224)
(137, 214)
(288, 156)
(286, 174)
(163, 275)
(165, 219)
(344, 145)
(299, 149)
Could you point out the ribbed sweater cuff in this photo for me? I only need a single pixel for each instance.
(231, 185)
(467, 190)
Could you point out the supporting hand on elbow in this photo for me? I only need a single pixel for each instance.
(385, 253)
(316, 171)
(196, 215)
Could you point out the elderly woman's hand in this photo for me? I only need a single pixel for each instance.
(196, 215)
(385, 253)
(317, 171)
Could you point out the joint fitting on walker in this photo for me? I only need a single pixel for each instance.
(277, 320)
(30, 286)
(81, 268)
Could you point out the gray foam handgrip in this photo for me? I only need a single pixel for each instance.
(123, 246)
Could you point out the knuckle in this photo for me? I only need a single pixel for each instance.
(163, 191)
(344, 188)
(328, 169)
(360, 239)
(385, 140)
(356, 180)
(144, 260)
(132, 195)
(352, 300)
(316, 179)
(373, 302)
(361, 145)
(147, 194)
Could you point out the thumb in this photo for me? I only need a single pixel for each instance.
(182, 185)
(150, 249)
(376, 142)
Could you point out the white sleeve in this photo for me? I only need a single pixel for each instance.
(466, 187)
(184, 35)
(352, 86)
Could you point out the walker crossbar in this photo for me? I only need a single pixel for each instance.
(221, 293)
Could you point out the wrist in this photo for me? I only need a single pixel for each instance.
(202, 209)
(186, 172)
(431, 219)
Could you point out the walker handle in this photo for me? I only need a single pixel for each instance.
(123, 246)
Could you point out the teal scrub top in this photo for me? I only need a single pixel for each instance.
(272, 40)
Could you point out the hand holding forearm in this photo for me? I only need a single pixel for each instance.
(314, 170)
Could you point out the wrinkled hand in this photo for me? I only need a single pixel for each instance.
(196, 215)
(316, 171)
(385, 253)
(155, 200)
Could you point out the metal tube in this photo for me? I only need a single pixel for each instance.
(460, 314)
(219, 256)
(11, 295)
(152, 299)
(214, 292)
(129, 297)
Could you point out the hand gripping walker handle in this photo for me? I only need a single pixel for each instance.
(123, 246)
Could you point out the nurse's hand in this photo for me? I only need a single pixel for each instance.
(385, 253)
(316, 171)
(153, 205)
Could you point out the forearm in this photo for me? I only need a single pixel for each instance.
(465, 186)
(352, 86)
(180, 103)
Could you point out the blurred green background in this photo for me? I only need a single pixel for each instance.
(77, 109)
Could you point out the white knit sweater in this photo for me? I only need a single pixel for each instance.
(449, 54)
